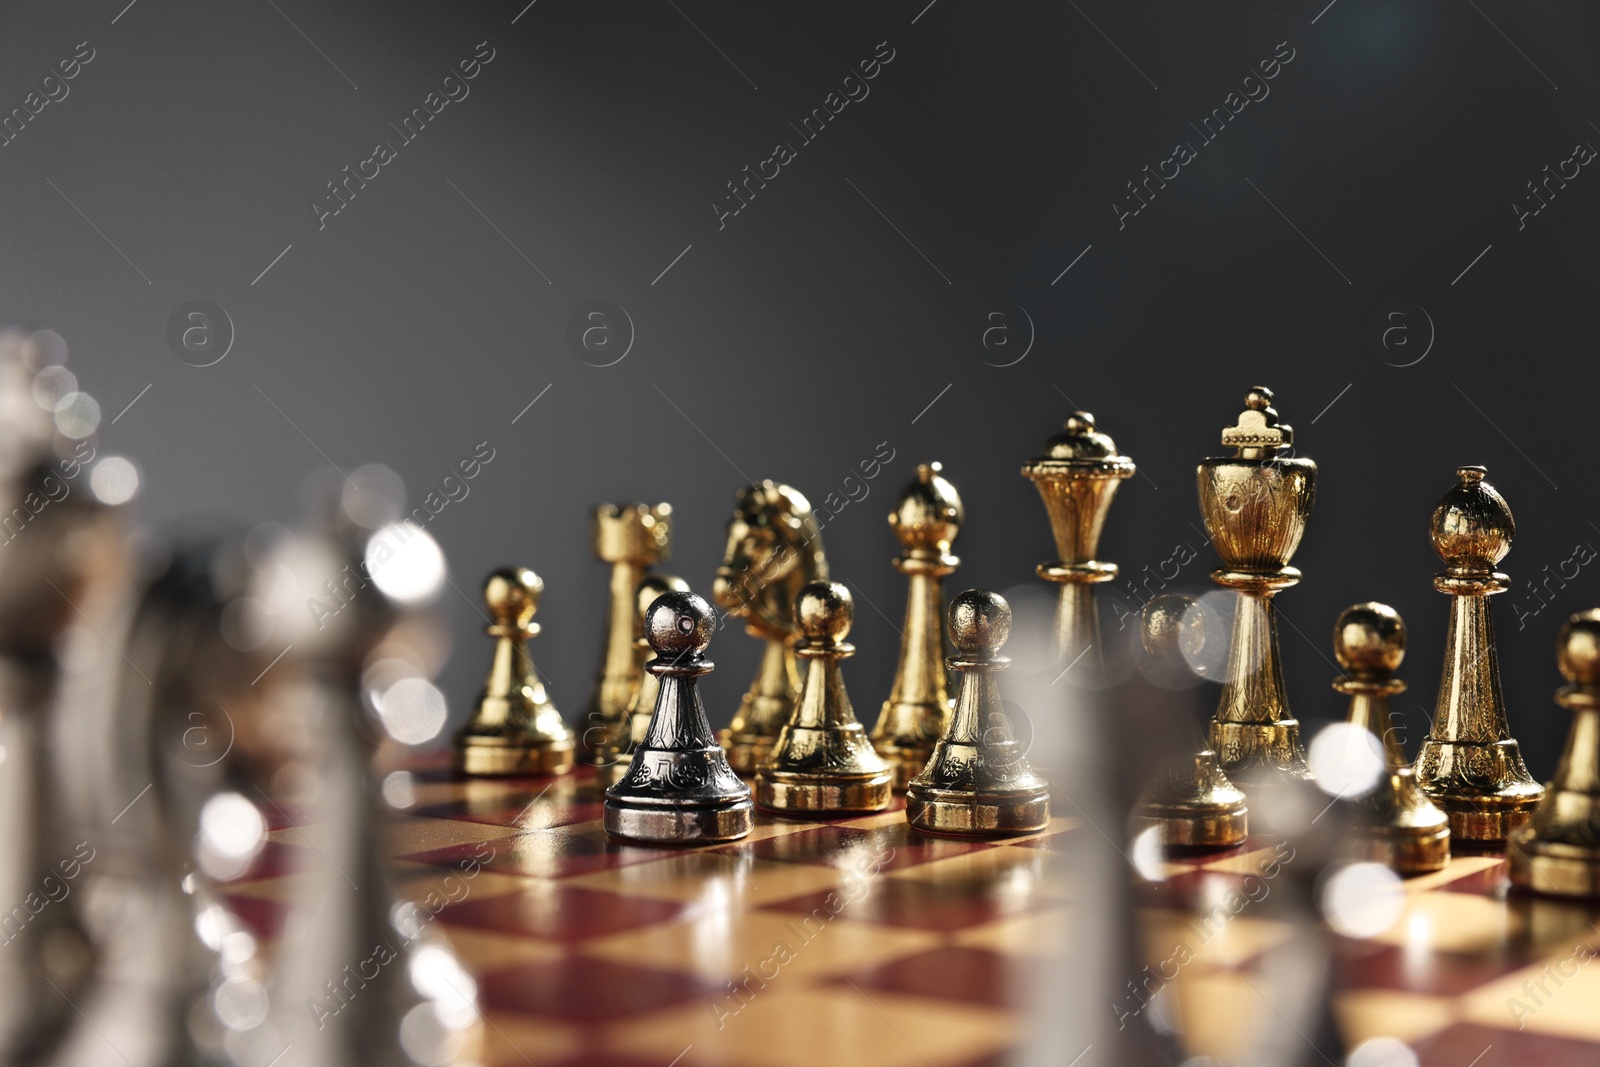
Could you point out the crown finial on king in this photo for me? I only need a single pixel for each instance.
(1258, 431)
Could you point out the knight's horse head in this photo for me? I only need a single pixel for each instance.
(774, 548)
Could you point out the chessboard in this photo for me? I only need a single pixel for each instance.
(859, 941)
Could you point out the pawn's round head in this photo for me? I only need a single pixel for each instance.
(1578, 648)
(980, 622)
(824, 611)
(678, 622)
(512, 594)
(652, 586)
(1472, 525)
(1369, 638)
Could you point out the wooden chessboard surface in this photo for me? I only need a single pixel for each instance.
(902, 950)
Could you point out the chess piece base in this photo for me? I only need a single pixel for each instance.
(905, 761)
(1408, 853)
(801, 793)
(1468, 822)
(1197, 828)
(1197, 808)
(496, 757)
(1553, 870)
(746, 751)
(679, 825)
(940, 811)
(1499, 796)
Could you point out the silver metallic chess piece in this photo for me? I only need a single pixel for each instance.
(1120, 738)
(679, 788)
(1308, 842)
(177, 970)
(62, 554)
(358, 977)
(636, 727)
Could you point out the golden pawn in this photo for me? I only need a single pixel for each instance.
(632, 538)
(1557, 851)
(1470, 765)
(637, 724)
(516, 729)
(926, 518)
(1255, 505)
(1194, 805)
(823, 760)
(1400, 826)
(977, 781)
(1077, 478)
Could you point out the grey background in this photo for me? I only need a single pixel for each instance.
(849, 294)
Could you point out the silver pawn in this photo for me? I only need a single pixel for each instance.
(679, 788)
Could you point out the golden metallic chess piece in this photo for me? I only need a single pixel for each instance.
(774, 548)
(1077, 478)
(1557, 851)
(1470, 765)
(1399, 825)
(516, 729)
(823, 760)
(926, 518)
(1255, 505)
(637, 724)
(1195, 805)
(978, 781)
(632, 538)
(679, 788)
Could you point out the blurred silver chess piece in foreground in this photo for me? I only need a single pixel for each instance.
(62, 567)
(358, 978)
